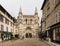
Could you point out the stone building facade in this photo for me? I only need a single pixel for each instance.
(6, 24)
(25, 25)
(28, 25)
(51, 19)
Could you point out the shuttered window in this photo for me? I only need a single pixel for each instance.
(1, 18)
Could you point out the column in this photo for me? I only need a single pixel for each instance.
(54, 35)
(47, 34)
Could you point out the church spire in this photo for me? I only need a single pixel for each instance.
(36, 12)
(20, 11)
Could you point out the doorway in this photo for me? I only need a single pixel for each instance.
(28, 35)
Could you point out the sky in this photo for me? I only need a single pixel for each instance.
(27, 6)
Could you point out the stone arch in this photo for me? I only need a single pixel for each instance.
(28, 33)
(28, 28)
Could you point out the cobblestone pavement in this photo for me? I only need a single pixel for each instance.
(24, 42)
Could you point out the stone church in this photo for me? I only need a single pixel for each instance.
(28, 25)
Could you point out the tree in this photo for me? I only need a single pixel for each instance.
(41, 35)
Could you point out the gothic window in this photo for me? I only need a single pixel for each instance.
(26, 21)
(30, 21)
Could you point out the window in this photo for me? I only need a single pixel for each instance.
(26, 21)
(48, 6)
(16, 31)
(1, 18)
(11, 24)
(7, 29)
(57, 33)
(58, 17)
(11, 30)
(2, 28)
(6, 21)
(59, 29)
(30, 21)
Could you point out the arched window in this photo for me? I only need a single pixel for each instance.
(26, 21)
(30, 21)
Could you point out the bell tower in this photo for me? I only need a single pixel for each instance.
(20, 11)
(36, 12)
(20, 21)
(20, 15)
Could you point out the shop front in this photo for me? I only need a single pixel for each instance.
(55, 33)
(5, 35)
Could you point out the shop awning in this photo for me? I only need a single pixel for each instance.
(7, 33)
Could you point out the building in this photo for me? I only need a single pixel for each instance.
(28, 25)
(51, 19)
(40, 28)
(6, 24)
(15, 33)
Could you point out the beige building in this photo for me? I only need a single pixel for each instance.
(6, 24)
(28, 25)
(25, 25)
(15, 31)
(51, 19)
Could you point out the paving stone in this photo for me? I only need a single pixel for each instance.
(25, 42)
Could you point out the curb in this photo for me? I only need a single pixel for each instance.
(54, 44)
(51, 43)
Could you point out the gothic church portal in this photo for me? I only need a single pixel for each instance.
(28, 25)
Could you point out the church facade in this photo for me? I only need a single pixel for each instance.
(28, 25)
